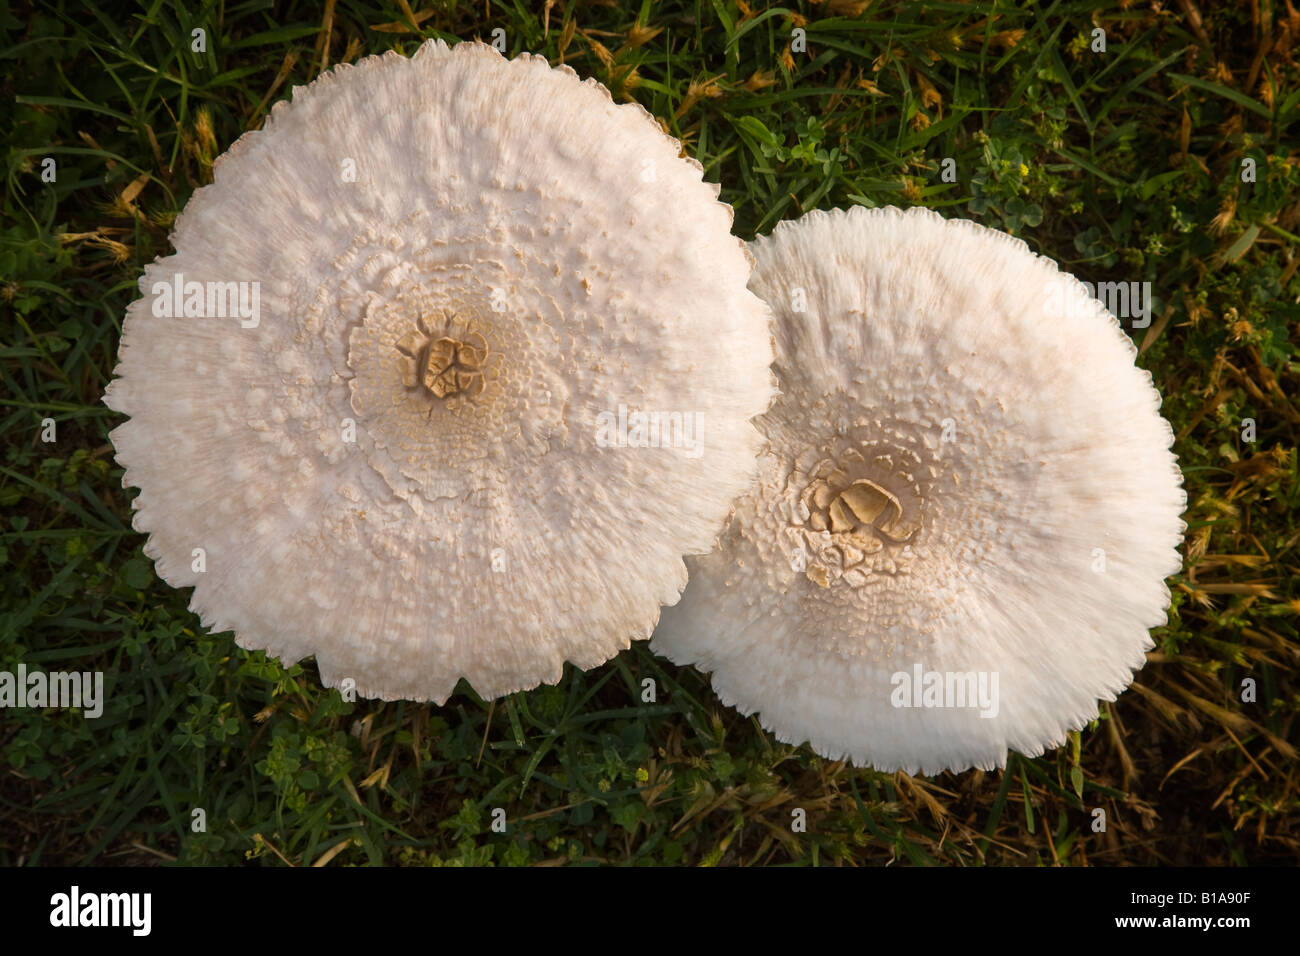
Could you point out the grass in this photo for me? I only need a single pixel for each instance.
(1123, 165)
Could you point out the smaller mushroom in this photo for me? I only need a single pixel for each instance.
(966, 506)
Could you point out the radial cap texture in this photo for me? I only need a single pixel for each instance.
(966, 508)
(379, 396)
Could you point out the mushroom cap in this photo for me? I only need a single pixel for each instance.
(462, 262)
(965, 474)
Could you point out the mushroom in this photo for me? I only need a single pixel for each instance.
(966, 506)
(366, 392)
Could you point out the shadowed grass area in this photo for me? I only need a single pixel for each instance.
(1171, 157)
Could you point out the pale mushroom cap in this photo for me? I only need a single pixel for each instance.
(463, 262)
(965, 473)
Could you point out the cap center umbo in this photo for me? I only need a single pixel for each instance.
(862, 509)
(442, 365)
(850, 522)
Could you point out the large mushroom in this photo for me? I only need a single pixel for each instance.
(370, 394)
(967, 503)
